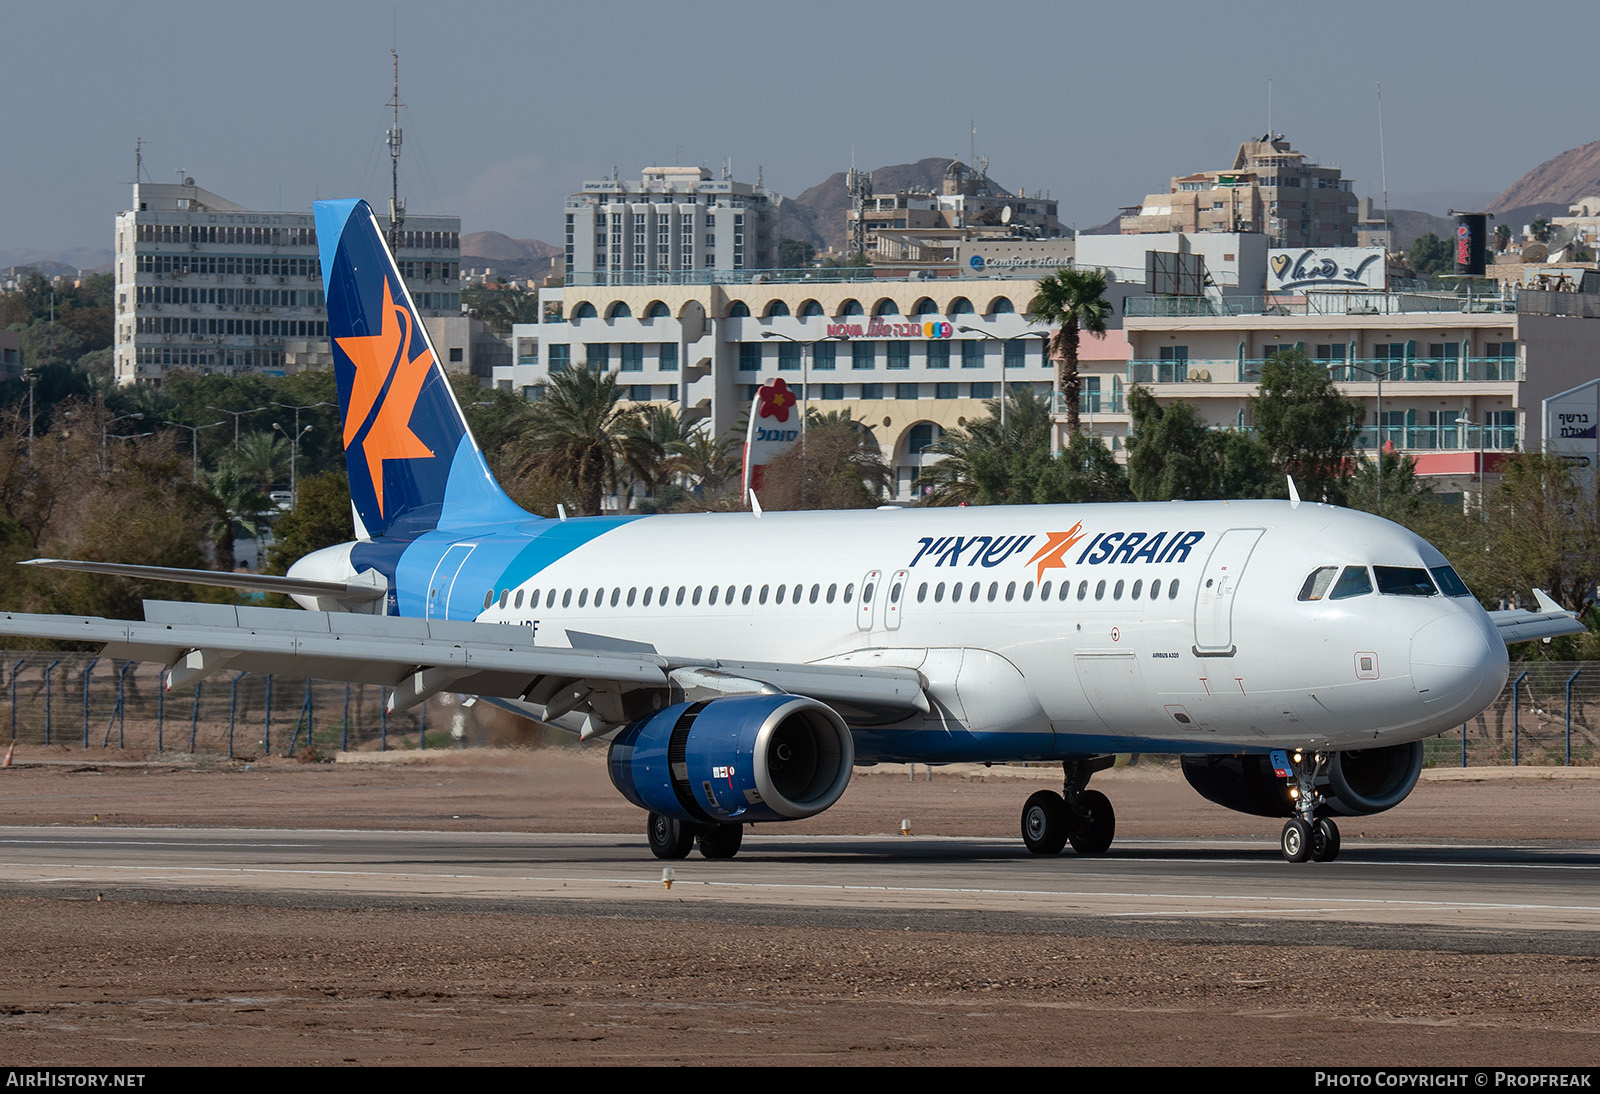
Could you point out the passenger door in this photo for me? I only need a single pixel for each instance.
(1213, 601)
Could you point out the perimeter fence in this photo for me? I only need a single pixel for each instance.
(1547, 714)
(96, 702)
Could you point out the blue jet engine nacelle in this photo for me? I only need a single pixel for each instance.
(735, 760)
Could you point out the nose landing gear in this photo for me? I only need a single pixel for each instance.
(1078, 816)
(1306, 836)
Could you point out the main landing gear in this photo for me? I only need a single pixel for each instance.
(671, 838)
(1078, 816)
(1306, 836)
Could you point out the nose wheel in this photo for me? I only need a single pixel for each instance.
(1306, 837)
(1078, 816)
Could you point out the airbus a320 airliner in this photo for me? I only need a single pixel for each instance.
(742, 664)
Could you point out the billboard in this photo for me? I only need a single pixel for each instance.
(1295, 268)
(1471, 245)
(1570, 418)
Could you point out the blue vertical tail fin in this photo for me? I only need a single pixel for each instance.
(413, 463)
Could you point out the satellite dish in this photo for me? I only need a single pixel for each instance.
(1005, 215)
(188, 180)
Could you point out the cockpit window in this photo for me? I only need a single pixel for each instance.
(1353, 582)
(1404, 581)
(1450, 583)
(1316, 586)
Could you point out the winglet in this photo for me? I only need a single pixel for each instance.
(1546, 603)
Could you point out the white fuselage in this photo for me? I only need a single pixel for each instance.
(1182, 627)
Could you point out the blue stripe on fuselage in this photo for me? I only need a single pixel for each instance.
(501, 558)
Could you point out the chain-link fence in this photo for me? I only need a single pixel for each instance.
(1549, 713)
(95, 702)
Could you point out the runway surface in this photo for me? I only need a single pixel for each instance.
(1475, 888)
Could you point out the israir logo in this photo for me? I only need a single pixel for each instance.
(390, 368)
(1056, 543)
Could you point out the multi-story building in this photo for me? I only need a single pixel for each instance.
(10, 354)
(673, 220)
(908, 358)
(919, 228)
(1270, 188)
(1453, 381)
(208, 285)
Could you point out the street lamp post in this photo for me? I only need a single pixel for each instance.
(1464, 422)
(294, 458)
(996, 338)
(194, 443)
(1378, 376)
(237, 414)
(106, 426)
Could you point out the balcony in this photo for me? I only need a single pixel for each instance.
(1322, 303)
(1090, 402)
(1429, 438)
(1427, 370)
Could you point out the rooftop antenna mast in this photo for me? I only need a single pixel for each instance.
(858, 185)
(397, 208)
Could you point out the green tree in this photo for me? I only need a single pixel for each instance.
(1173, 455)
(837, 465)
(991, 464)
(1309, 430)
(320, 518)
(710, 465)
(1070, 300)
(1430, 256)
(577, 434)
(236, 506)
(795, 254)
(1502, 237)
(1541, 229)
(261, 461)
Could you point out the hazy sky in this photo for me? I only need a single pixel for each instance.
(510, 106)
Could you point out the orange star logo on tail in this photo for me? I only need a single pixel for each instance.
(1056, 543)
(376, 358)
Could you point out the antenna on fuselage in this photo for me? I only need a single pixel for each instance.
(561, 512)
(1294, 495)
(755, 504)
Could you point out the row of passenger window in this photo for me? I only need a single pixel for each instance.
(1391, 581)
(785, 593)
(796, 594)
(1063, 591)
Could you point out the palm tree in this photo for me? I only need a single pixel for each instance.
(651, 433)
(237, 508)
(710, 464)
(262, 459)
(980, 463)
(577, 433)
(1067, 300)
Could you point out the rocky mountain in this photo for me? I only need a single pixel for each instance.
(515, 258)
(1561, 180)
(58, 263)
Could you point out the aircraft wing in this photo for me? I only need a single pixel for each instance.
(1550, 621)
(587, 690)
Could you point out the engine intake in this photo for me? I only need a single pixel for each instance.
(742, 758)
(1358, 782)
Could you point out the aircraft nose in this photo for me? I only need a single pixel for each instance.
(1458, 663)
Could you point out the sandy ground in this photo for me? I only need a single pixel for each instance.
(128, 983)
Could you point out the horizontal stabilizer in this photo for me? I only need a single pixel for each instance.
(368, 587)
